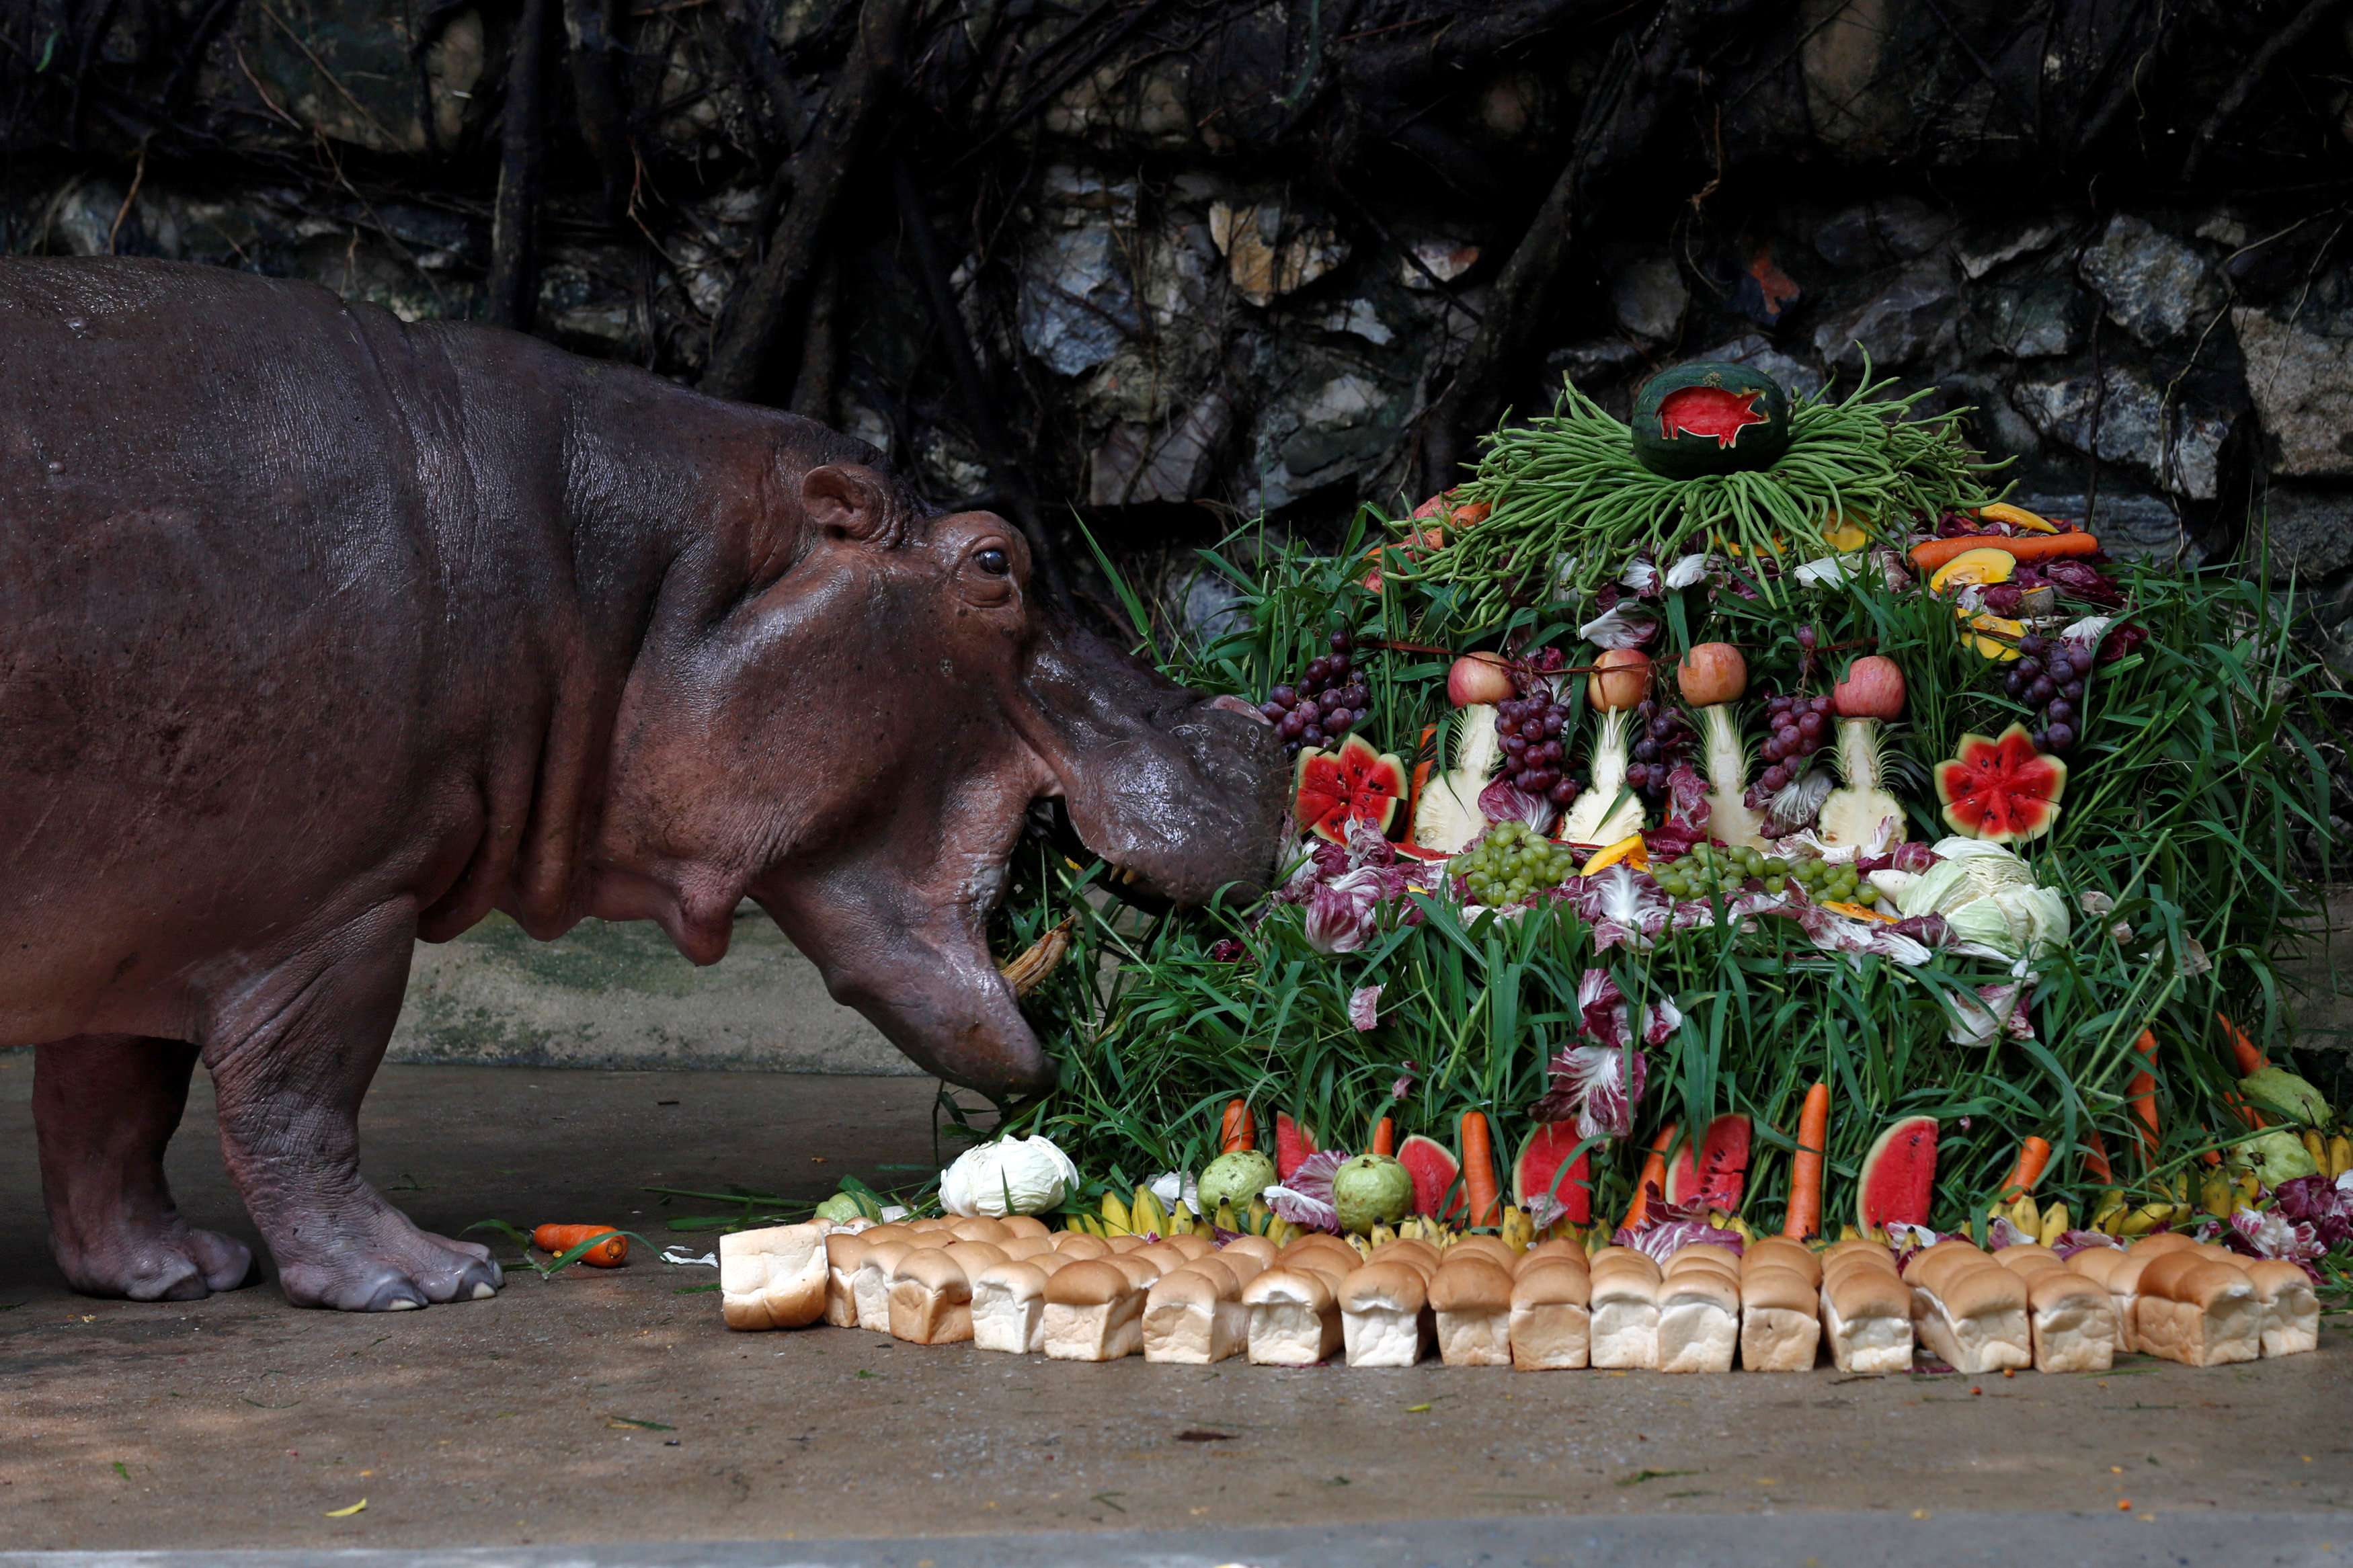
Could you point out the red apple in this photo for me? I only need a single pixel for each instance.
(1479, 678)
(1620, 680)
(1711, 673)
(1874, 688)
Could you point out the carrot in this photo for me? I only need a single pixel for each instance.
(2140, 1094)
(2032, 1155)
(1935, 552)
(1385, 1137)
(1479, 1168)
(1239, 1132)
(559, 1239)
(2251, 1060)
(1804, 1217)
(2095, 1157)
(1425, 758)
(1654, 1173)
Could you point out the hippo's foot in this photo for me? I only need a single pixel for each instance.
(368, 1257)
(169, 1261)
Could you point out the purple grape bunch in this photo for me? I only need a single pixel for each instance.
(1530, 726)
(1666, 738)
(1794, 729)
(1329, 700)
(2049, 676)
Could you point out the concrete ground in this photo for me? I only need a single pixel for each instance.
(614, 1408)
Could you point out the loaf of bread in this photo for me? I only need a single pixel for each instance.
(870, 1282)
(2199, 1312)
(1294, 1316)
(1624, 1286)
(1008, 1308)
(773, 1278)
(1092, 1313)
(1781, 1251)
(2075, 1328)
(842, 1252)
(1471, 1305)
(1971, 1313)
(1486, 1247)
(1257, 1246)
(1080, 1245)
(2291, 1309)
(1384, 1315)
(1559, 1248)
(1699, 1313)
(1781, 1317)
(931, 1298)
(1867, 1316)
(1195, 1316)
(2122, 1279)
(1552, 1315)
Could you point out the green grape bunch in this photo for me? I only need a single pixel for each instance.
(1511, 865)
(1712, 870)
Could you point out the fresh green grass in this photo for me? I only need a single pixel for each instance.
(2194, 775)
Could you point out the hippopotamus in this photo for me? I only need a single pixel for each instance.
(321, 632)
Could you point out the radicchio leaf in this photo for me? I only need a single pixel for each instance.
(2081, 580)
(1504, 802)
(1364, 1009)
(1306, 1198)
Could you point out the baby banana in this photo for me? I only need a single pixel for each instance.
(1146, 1217)
(2054, 1225)
(1114, 1215)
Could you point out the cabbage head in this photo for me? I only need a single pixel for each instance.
(1989, 896)
(1012, 1175)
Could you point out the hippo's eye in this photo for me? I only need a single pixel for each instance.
(993, 562)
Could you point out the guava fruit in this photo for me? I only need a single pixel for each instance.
(1370, 1190)
(1235, 1178)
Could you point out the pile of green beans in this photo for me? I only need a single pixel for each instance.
(1566, 488)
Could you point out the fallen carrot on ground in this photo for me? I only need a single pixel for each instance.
(559, 1239)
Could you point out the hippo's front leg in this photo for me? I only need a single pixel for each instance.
(290, 1061)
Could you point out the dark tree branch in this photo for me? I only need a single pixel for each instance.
(597, 95)
(758, 305)
(973, 390)
(2236, 98)
(512, 289)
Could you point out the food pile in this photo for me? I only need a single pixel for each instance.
(1741, 826)
(1771, 1304)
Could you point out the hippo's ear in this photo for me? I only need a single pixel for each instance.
(849, 502)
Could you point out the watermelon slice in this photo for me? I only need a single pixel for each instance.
(1436, 1177)
(1899, 1175)
(1720, 1173)
(1293, 1144)
(2002, 790)
(1354, 781)
(1537, 1172)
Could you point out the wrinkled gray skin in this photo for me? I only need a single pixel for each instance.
(320, 633)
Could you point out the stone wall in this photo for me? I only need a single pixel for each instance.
(620, 997)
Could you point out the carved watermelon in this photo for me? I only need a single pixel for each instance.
(1537, 1172)
(1720, 1173)
(1709, 417)
(1354, 781)
(1899, 1175)
(1293, 1144)
(1436, 1177)
(2001, 790)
